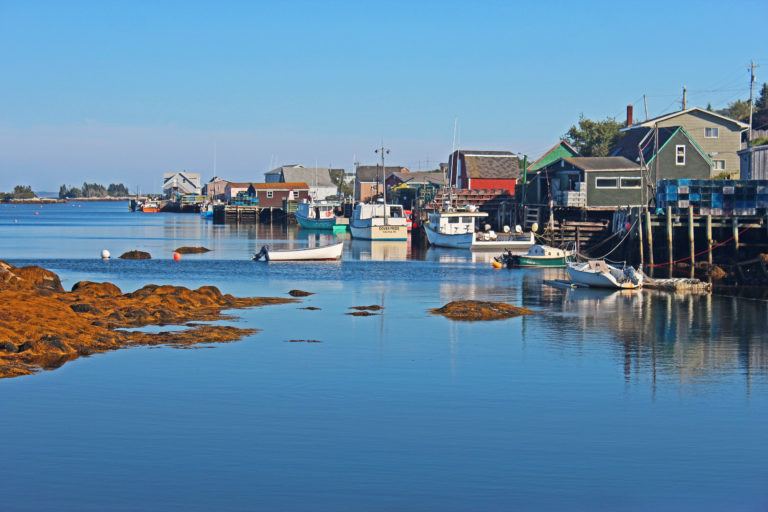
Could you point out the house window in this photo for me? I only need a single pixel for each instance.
(719, 165)
(630, 182)
(711, 133)
(269, 194)
(680, 155)
(606, 182)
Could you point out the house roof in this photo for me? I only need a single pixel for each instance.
(654, 120)
(499, 165)
(601, 163)
(234, 184)
(643, 139)
(373, 172)
(280, 186)
(423, 177)
(543, 159)
(298, 173)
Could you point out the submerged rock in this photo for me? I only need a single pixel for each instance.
(192, 250)
(299, 293)
(135, 255)
(474, 310)
(374, 307)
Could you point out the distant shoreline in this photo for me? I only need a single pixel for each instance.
(51, 200)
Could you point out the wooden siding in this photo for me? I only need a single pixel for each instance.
(488, 184)
(612, 196)
(278, 196)
(726, 145)
(696, 165)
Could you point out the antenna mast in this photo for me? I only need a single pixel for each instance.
(751, 67)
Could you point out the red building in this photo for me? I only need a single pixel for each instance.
(484, 170)
(273, 194)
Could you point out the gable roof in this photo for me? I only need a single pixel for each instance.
(552, 155)
(279, 186)
(642, 139)
(654, 120)
(369, 173)
(499, 165)
(316, 176)
(601, 163)
(423, 177)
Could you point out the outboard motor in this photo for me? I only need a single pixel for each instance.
(263, 252)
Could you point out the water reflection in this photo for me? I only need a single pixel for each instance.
(649, 332)
(367, 250)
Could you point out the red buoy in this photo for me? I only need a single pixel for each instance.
(176, 256)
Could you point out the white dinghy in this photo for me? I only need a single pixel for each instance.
(599, 274)
(324, 253)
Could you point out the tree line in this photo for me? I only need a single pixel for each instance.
(93, 190)
(19, 192)
(596, 138)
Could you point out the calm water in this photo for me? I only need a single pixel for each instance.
(602, 401)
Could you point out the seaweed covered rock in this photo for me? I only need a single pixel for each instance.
(135, 255)
(474, 310)
(192, 250)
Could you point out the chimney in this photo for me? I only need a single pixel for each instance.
(629, 115)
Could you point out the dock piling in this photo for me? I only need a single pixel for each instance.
(649, 232)
(709, 240)
(640, 234)
(669, 237)
(691, 238)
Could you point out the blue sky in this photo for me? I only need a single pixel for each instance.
(124, 91)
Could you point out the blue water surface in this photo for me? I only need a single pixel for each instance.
(600, 401)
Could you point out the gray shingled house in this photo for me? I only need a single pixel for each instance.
(318, 178)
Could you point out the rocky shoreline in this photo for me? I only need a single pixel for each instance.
(45, 326)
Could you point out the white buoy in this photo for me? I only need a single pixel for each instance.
(105, 254)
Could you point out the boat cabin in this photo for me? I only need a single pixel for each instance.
(316, 210)
(455, 223)
(368, 211)
(546, 251)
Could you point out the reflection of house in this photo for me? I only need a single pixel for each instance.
(216, 189)
(181, 183)
(483, 170)
(719, 137)
(272, 195)
(318, 178)
(369, 178)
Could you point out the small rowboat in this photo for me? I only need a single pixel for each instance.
(324, 253)
(599, 274)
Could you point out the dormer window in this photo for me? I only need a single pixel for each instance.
(711, 133)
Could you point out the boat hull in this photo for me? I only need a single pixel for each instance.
(599, 279)
(325, 253)
(307, 223)
(379, 232)
(523, 261)
(452, 241)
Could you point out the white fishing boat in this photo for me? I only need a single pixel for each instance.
(323, 253)
(458, 230)
(379, 221)
(599, 274)
(455, 230)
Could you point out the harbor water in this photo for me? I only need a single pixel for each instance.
(602, 400)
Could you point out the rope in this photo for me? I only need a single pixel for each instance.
(617, 245)
(700, 253)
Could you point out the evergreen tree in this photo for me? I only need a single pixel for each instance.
(762, 101)
(594, 138)
(63, 192)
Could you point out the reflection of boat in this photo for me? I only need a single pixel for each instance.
(537, 256)
(381, 250)
(599, 274)
(150, 207)
(326, 252)
(319, 215)
(379, 221)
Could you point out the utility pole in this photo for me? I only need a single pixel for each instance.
(685, 93)
(751, 67)
(645, 102)
(525, 178)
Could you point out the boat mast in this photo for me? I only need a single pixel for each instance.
(383, 151)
